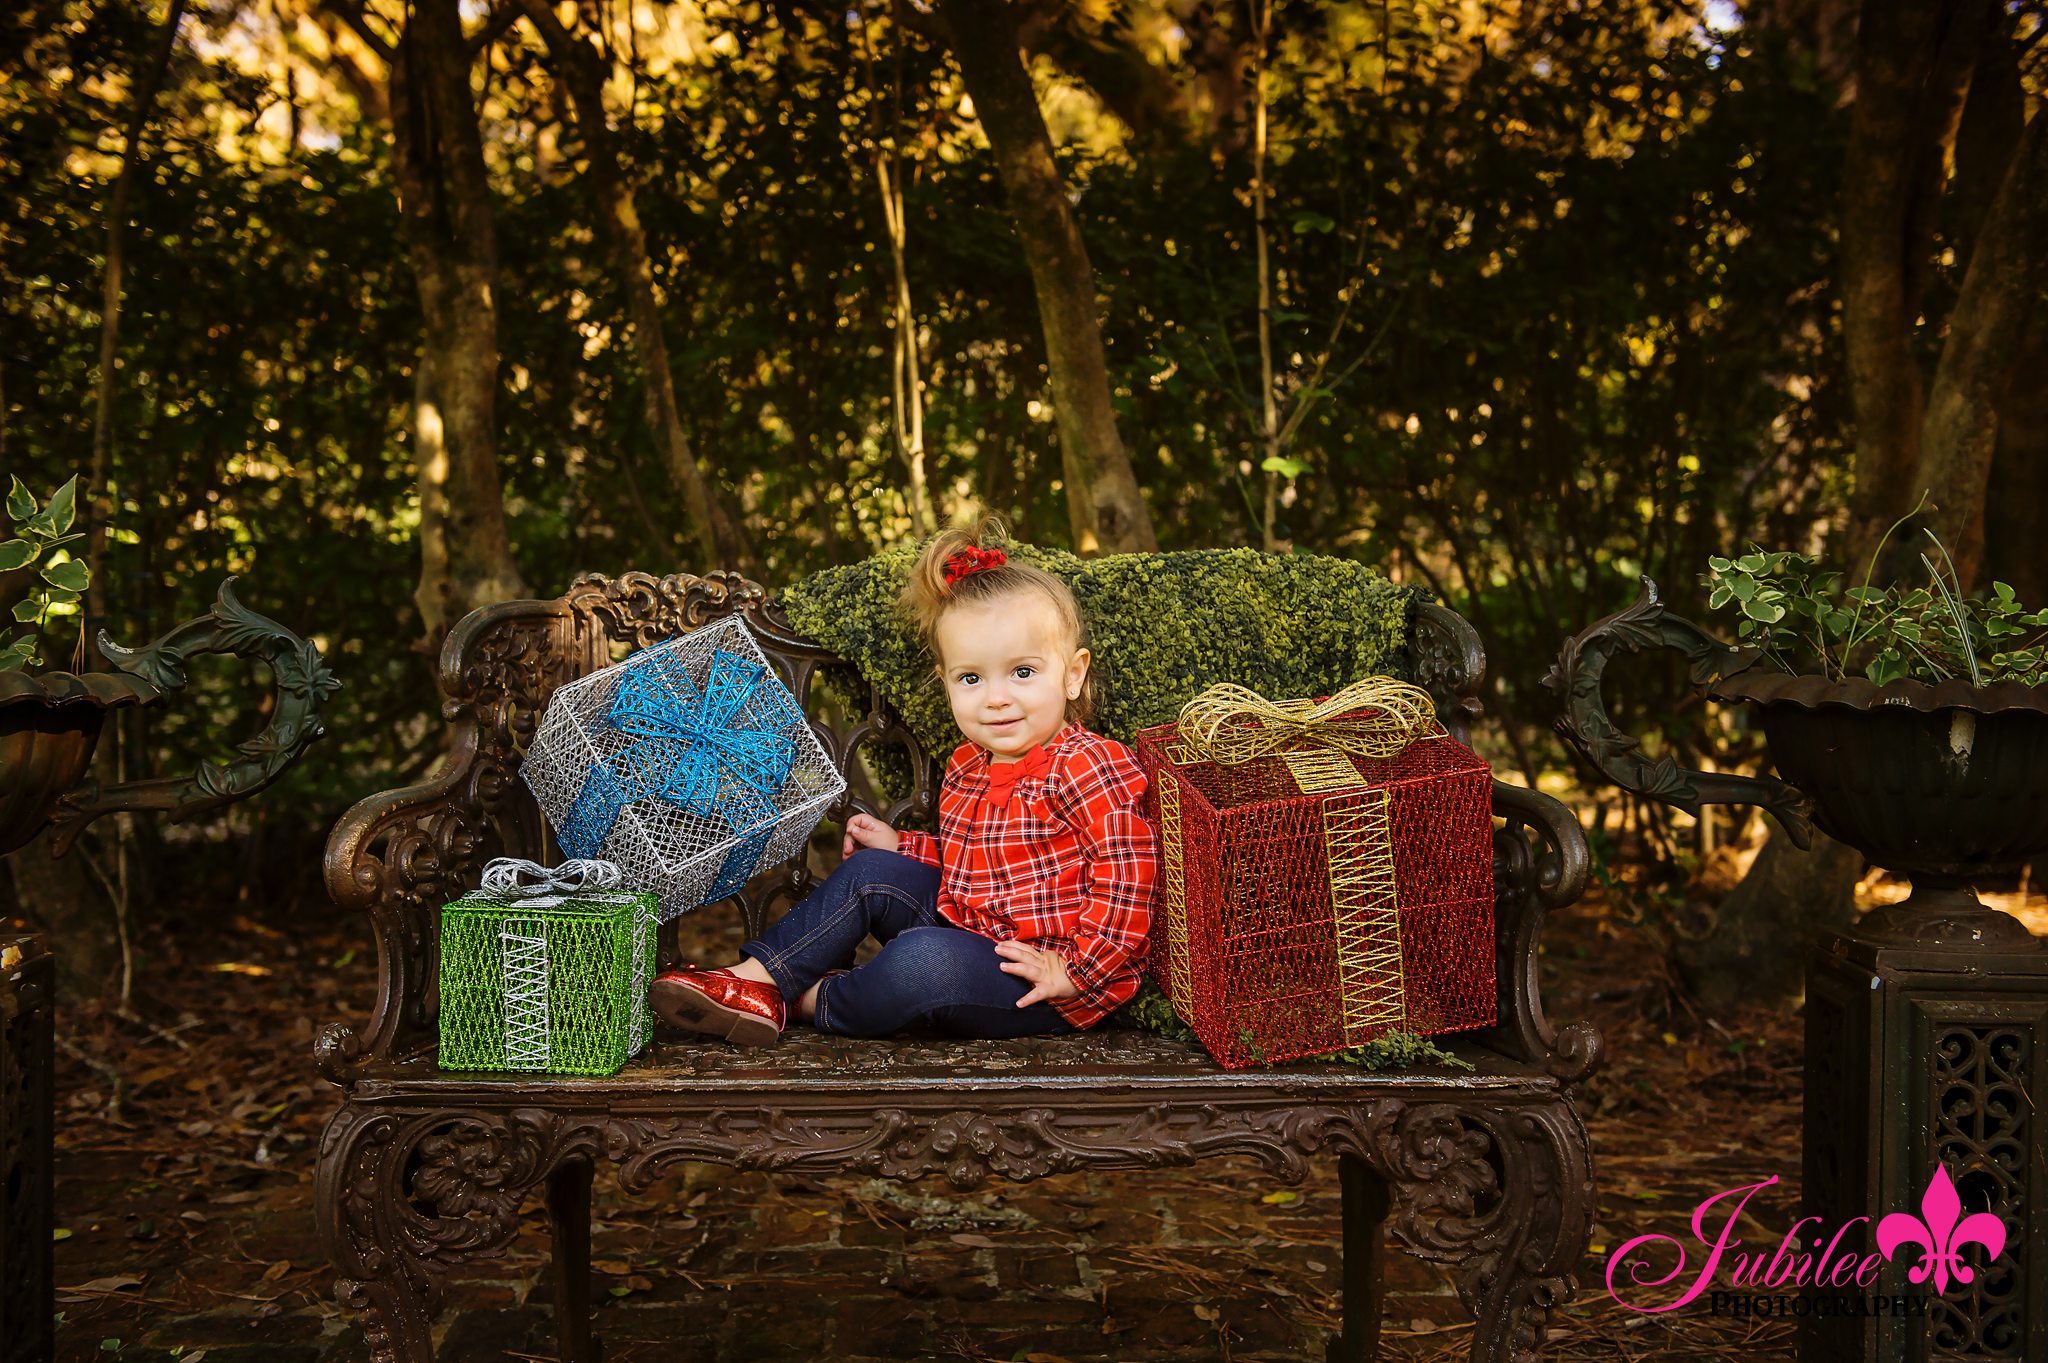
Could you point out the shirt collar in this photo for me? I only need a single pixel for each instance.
(1053, 746)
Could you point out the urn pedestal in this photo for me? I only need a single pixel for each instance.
(1924, 1021)
(1916, 1056)
(28, 1126)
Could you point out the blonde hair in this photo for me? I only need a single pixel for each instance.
(927, 597)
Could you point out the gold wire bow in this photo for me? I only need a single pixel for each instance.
(1231, 725)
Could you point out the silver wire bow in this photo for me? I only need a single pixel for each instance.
(517, 878)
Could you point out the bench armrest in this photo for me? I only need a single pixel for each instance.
(1539, 864)
(399, 855)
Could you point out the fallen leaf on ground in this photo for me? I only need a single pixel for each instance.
(1279, 1199)
(974, 1241)
(117, 1283)
(618, 1268)
(275, 1271)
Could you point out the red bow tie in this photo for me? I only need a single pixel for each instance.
(1004, 776)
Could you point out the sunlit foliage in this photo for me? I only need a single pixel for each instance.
(1570, 266)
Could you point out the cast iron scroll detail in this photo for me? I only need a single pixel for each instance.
(1502, 1192)
(1575, 681)
(1450, 664)
(303, 684)
(1539, 864)
(1977, 1085)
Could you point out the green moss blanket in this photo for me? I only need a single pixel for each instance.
(1161, 626)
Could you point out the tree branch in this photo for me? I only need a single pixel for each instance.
(358, 23)
(501, 19)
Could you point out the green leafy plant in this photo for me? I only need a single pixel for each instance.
(1149, 1010)
(40, 536)
(1806, 621)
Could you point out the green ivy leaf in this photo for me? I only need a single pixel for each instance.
(21, 503)
(28, 609)
(1744, 587)
(1763, 611)
(71, 575)
(1720, 597)
(56, 518)
(1751, 563)
(1719, 565)
(1313, 222)
(1286, 468)
(15, 553)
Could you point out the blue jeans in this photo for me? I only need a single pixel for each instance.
(928, 974)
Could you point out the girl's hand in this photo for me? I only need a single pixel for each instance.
(1047, 971)
(863, 830)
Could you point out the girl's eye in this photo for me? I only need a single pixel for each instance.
(1025, 672)
(967, 679)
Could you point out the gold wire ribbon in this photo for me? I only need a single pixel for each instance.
(1231, 725)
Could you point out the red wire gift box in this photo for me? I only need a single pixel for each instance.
(1326, 871)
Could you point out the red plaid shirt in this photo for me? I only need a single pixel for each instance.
(1068, 865)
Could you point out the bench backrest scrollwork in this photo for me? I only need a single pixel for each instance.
(399, 856)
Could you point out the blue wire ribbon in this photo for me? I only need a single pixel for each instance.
(720, 752)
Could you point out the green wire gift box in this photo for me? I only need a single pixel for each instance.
(546, 970)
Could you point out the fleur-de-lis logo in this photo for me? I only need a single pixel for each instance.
(1936, 1232)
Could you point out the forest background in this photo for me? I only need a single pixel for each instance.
(424, 307)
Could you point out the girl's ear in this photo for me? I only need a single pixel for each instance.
(1077, 672)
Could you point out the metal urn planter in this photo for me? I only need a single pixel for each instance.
(1925, 1021)
(50, 725)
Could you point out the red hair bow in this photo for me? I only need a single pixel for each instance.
(971, 561)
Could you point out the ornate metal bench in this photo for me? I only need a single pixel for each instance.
(1488, 1170)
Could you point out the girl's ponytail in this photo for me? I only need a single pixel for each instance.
(969, 568)
(924, 596)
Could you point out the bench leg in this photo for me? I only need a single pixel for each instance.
(1365, 1250)
(569, 1221)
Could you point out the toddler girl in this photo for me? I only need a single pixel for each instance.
(1025, 914)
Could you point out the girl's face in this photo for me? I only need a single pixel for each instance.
(1009, 673)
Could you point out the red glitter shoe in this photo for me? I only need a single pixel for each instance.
(720, 1003)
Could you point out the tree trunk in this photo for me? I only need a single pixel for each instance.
(60, 897)
(2008, 266)
(906, 387)
(101, 506)
(1103, 502)
(583, 70)
(1914, 61)
(430, 457)
(451, 233)
(1756, 952)
(2016, 497)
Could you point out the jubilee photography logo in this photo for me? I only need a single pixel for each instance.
(1808, 1272)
